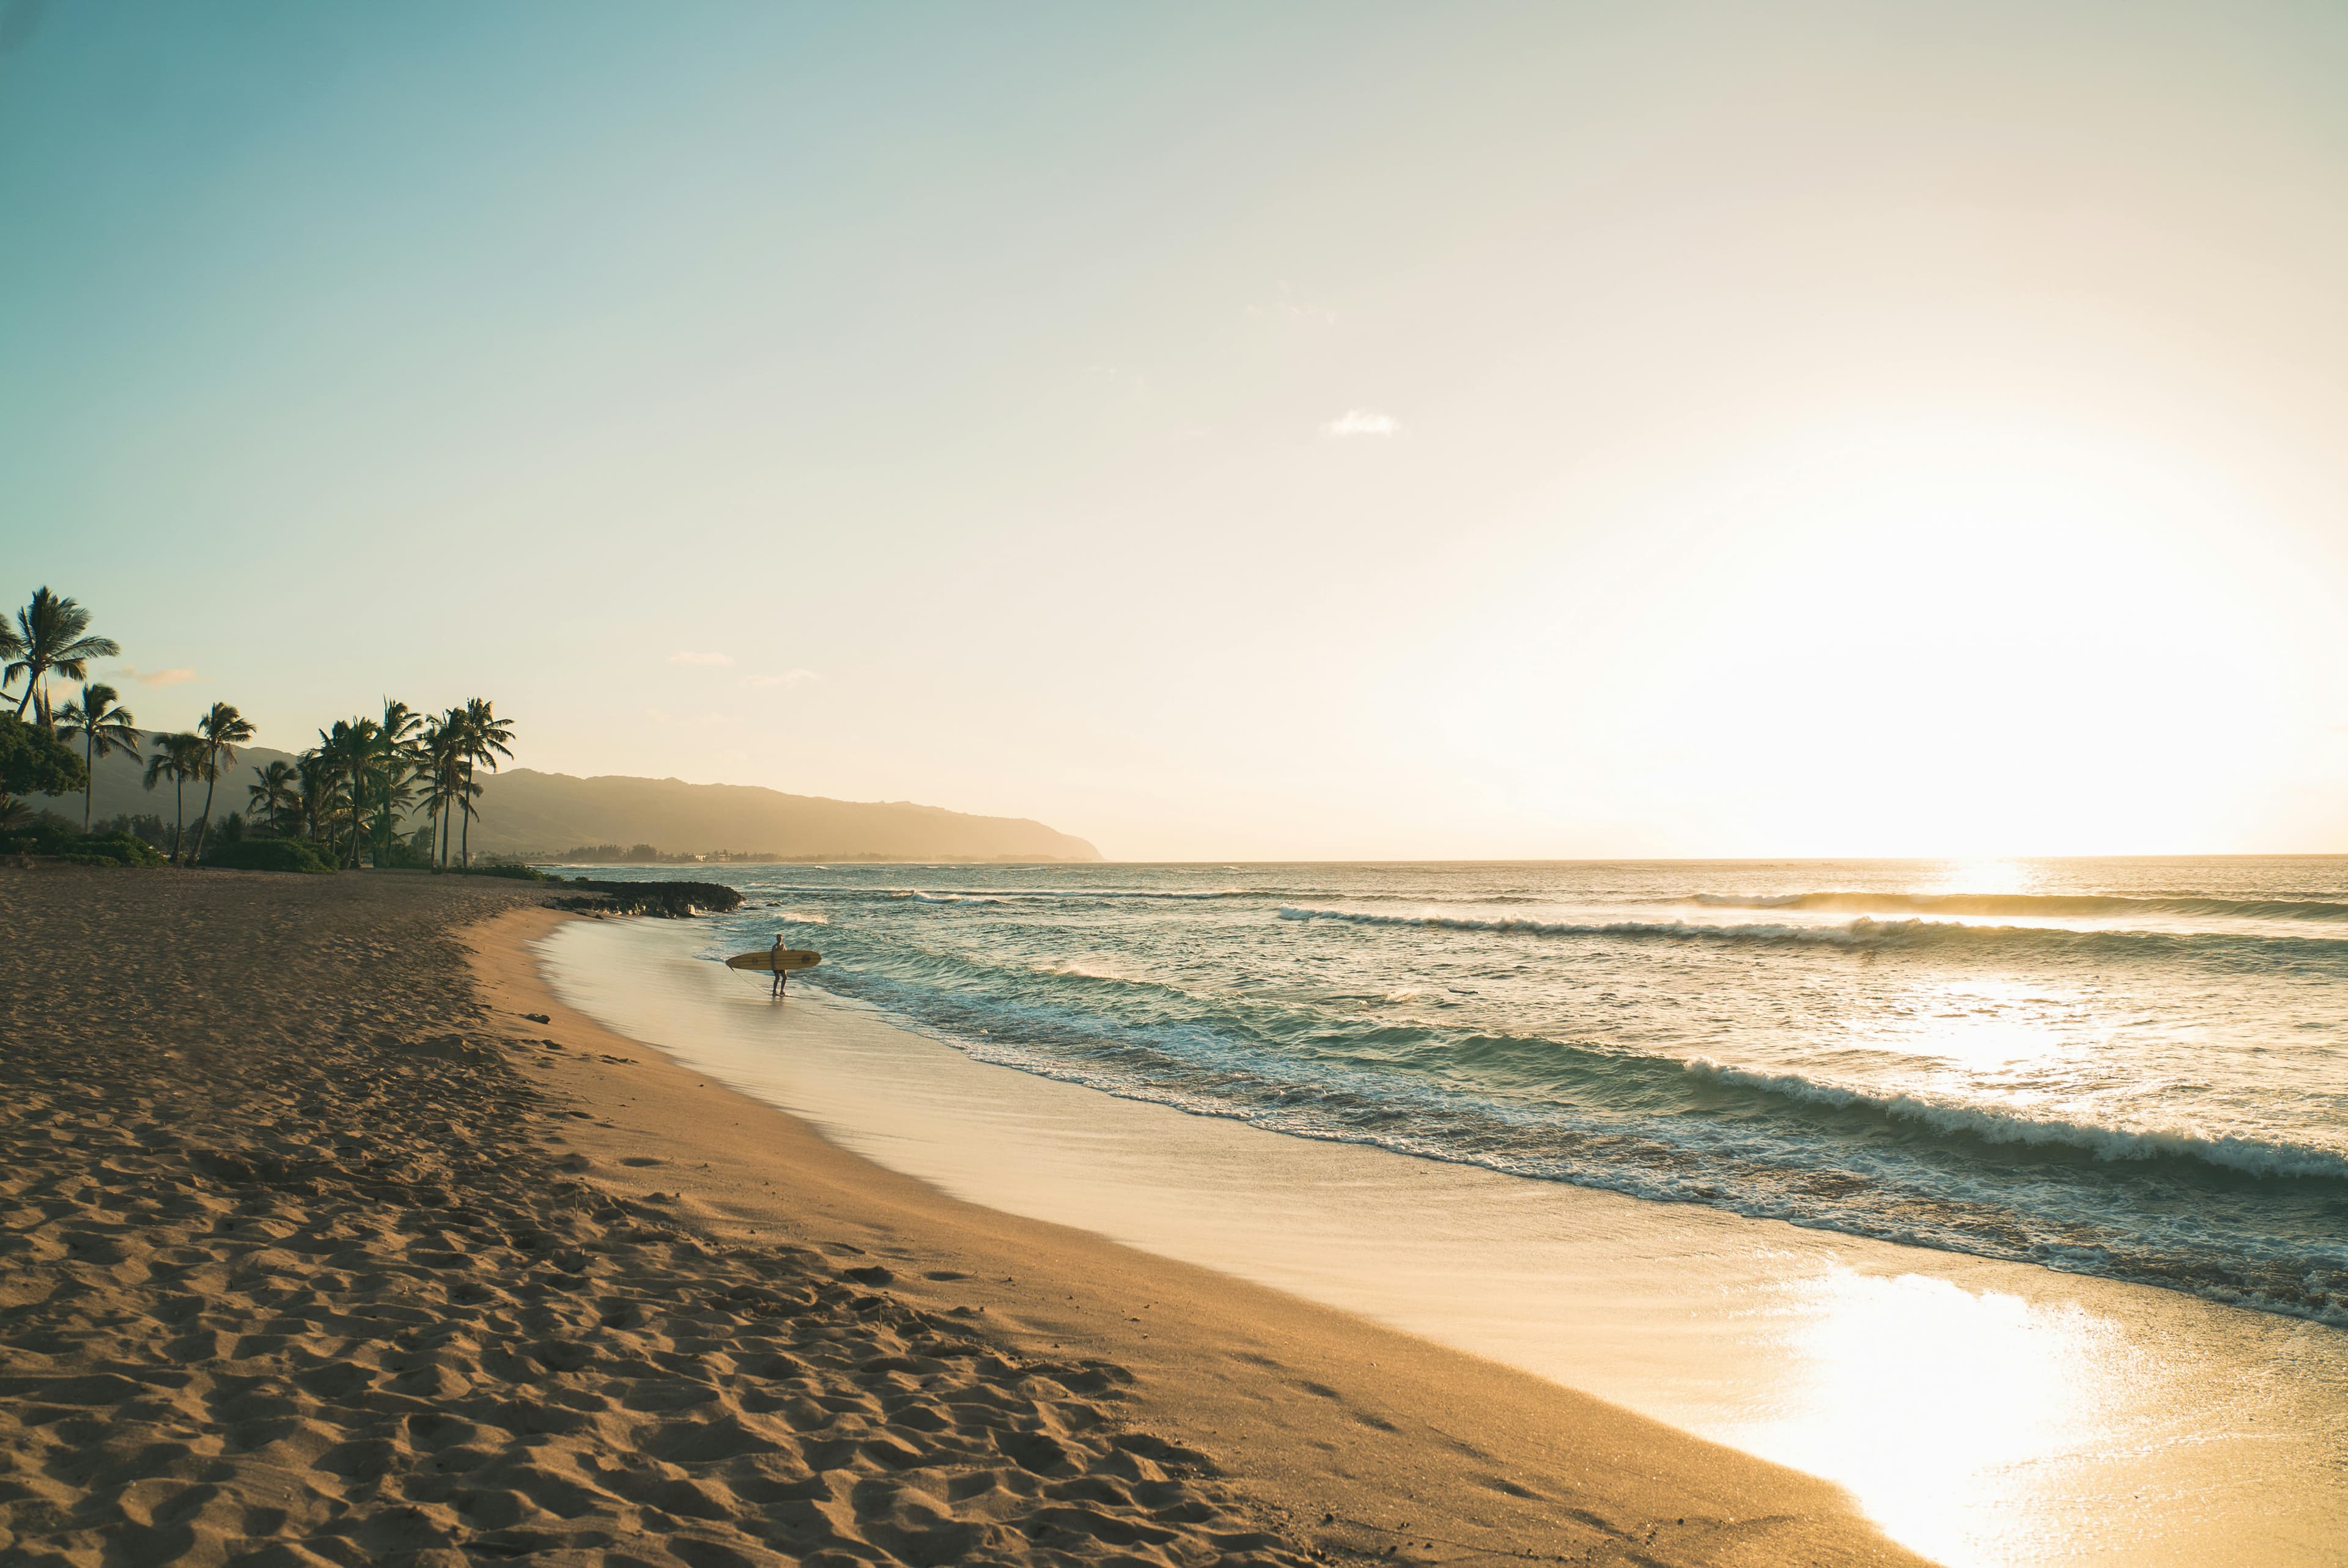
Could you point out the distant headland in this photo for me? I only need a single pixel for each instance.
(525, 814)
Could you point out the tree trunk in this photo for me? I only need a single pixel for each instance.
(465, 800)
(212, 777)
(178, 813)
(89, 784)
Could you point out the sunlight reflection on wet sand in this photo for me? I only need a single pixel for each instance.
(1983, 1412)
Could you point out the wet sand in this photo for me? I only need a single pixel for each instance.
(315, 1249)
(1980, 1411)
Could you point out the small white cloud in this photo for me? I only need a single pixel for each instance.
(1361, 421)
(1289, 311)
(1288, 308)
(159, 677)
(683, 657)
(787, 678)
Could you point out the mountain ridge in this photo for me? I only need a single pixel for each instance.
(529, 811)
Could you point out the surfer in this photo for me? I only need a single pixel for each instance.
(781, 975)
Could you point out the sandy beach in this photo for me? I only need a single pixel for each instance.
(319, 1246)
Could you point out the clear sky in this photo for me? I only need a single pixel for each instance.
(1224, 431)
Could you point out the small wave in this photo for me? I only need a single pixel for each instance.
(1014, 895)
(1071, 969)
(1866, 932)
(803, 918)
(1858, 933)
(2251, 1156)
(2048, 905)
(1168, 893)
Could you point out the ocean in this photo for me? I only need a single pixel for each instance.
(2129, 1068)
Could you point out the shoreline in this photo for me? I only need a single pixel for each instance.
(1362, 1438)
(1977, 1411)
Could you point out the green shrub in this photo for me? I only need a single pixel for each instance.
(110, 849)
(267, 855)
(46, 837)
(48, 834)
(514, 869)
(398, 855)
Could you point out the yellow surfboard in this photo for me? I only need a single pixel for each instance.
(766, 959)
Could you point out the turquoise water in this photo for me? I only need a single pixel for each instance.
(2129, 1068)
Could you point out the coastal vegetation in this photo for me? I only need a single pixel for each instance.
(397, 789)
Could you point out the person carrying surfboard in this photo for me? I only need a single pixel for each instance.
(782, 976)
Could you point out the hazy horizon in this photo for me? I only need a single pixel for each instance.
(1364, 433)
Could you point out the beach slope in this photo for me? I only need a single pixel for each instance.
(318, 1248)
(1360, 1441)
(289, 1275)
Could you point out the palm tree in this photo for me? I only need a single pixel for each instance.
(316, 791)
(484, 738)
(223, 731)
(398, 753)
(277, 795)
(363, 775)
(104, 727)
(350, 762)
(178, 758)
(12, 643)
(440, 747)
(401, 724)
(52, 635)
(324, 761)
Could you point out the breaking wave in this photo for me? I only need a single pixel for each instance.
(1864, 932)
(2051, 905)
(2251, 1156)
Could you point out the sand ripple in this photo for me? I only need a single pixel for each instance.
(288, 1275)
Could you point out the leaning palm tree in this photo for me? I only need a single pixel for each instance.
(276, 797)
(52, 637)
(178, 758)
(485, 739)
(103, 725)
(223, 731)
